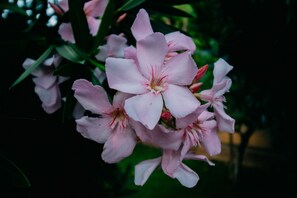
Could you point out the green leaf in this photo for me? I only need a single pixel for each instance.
(97, 64)
(105, 24)
(79, 24)
(11, 174)
(131, 4)
(28, 71)
(13, 8)
(72, 53)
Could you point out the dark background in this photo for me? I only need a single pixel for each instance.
(259, 38)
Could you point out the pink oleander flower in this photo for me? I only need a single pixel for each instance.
(113, 48)
(215, 95)
(152, 81)
(93, 9)
(46, 83)
(176, 41)
(171, 163)
(199, 129)
(111, 126)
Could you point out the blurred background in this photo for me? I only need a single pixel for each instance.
(40, 156)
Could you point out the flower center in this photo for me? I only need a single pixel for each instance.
(119, 119)
(156, 85)
(196, 133)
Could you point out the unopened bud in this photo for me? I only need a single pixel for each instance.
(195, 87)
(166, 115)
(200, 73)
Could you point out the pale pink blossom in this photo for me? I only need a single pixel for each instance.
(93, 9)
(215, 95)
(176, 41)
(171, 163)
(199, 129)
(152, 81)
(113, 48)
(46, 83)
(110, 126)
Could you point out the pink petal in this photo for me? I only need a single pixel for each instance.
(205, 115)
(178, 41)
(180, 101)
(157, 137)
(171, 160)
(141, 27)
(114, 47)
(180, 70)
(57, 60)
(91, 97)
(221, 69)
(187, 144)
(191, 118)
(221, 88)
(117, 44)
(93, 25)
(64, 5)
(96, 129)
(146, 108)
(144, 169)
(103, 53)
(36, 72)
(119, 99)
(119, 145)
(130, 53)
(95, 8)
(151, 53)
(50, 98)
(66, 32)
(45, 81)
(224, 121)
(123, 75)
(186, 176)
(212, 143)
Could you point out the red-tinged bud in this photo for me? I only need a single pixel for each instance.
(58, 10)
(166, 115)
(122, 17)
(195, 87)
(200, 73)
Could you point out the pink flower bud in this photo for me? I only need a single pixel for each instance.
(200, 73)
(58, 10)
(195, 87)
(166, 115)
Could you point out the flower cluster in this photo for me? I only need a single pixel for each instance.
(156, 96)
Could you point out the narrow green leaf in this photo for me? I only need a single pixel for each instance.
(71, 53)
(97, 64)
(79, 24)
(28, 71)
(105, 24)
(131, 4)
(13, 8)
(12, 174)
